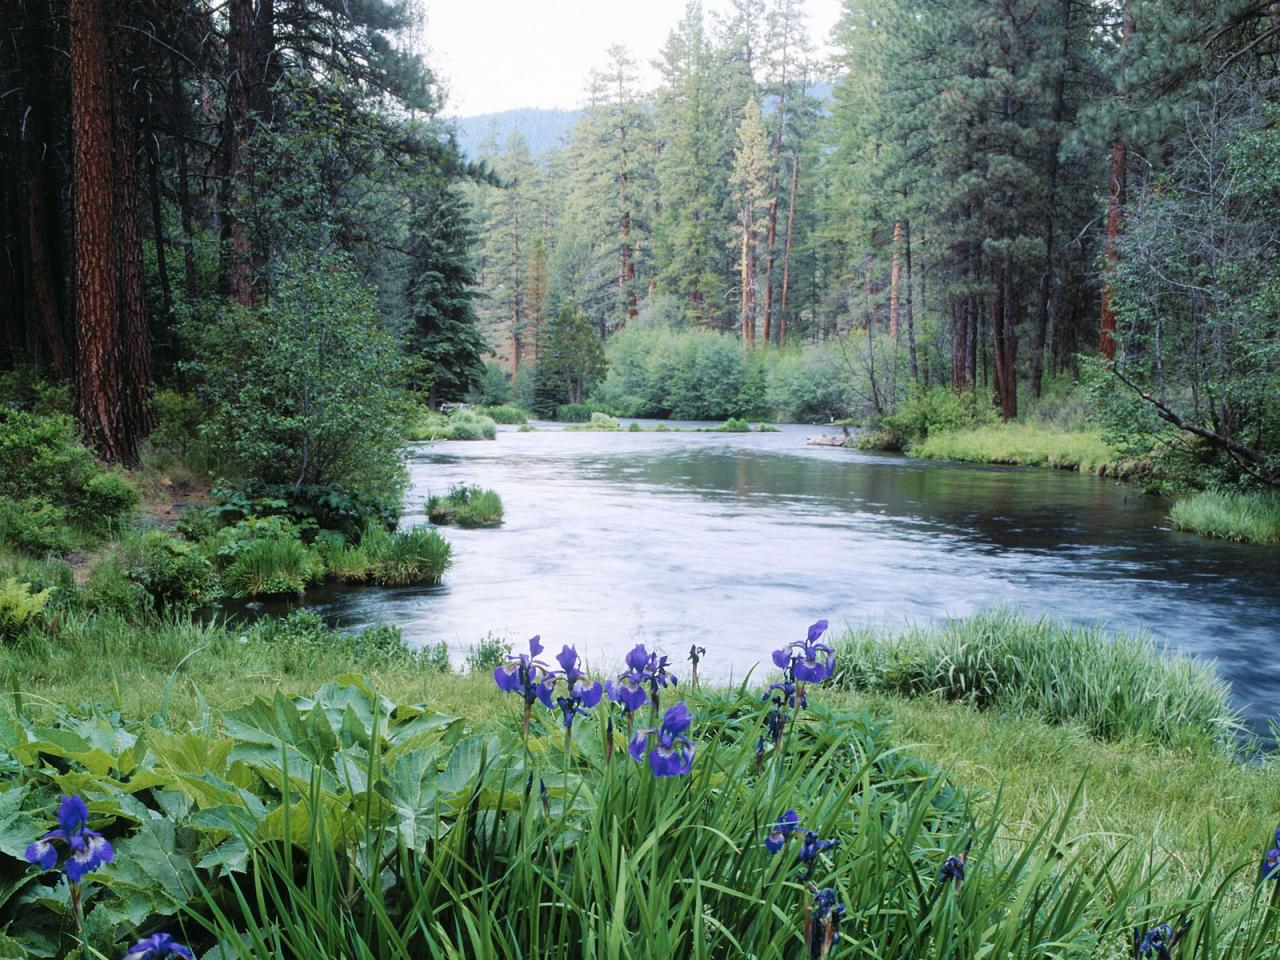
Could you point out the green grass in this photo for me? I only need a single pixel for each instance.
(1114, 687)
(267, 568)
(464, 424)
(1246, 517)
(1025, 444)
(598, 421)
(467, 506)
(504, 413)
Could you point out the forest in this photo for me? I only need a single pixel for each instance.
(317, 401)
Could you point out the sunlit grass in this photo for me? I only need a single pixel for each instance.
(1024, 444)
(1246, 517)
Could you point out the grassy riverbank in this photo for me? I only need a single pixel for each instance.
(1246, 517)
(1152, 823)
(1026, 444)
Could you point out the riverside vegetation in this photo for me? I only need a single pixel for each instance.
(288, 815)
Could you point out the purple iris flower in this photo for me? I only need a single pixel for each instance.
(584, 692)
(1157, 943)
(1271, 861)
(159, 946)
(87, 850)
(952, 869)
(787, 824)
(628, 690)
(525, 675)
(808, 662)
(784, 694)
(809, 850)
(824, 926)
(672, 754)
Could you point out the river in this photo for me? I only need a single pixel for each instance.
(739, 541)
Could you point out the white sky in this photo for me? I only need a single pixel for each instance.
(501, 54)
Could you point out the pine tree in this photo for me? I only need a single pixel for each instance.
(750, 169)
(440, 295)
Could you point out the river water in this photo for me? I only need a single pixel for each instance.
(739, 541)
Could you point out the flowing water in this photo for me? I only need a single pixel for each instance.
(740, 541)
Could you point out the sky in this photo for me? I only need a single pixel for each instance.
(502, 54)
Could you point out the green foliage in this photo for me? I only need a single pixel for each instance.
(491, 388)
(504, 413)
(272, 567)
(734, 425)
(34, 526)
(489, 654)
(1027, 444)
(935, 410)
(467, 506)
(574, 413)
(48, 479)
(1112, 686)
(305, 390)
(446, 337)
(1231, 515)
(173, 573)
(21, 605)
(416, 556)
(176, 436)
(466, 424)
(570, 365)
(598, 421)
(111, 590)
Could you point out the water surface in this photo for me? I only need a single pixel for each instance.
(739, 541)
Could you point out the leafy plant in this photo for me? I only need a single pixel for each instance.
(504, 413)
(173, 572)
(272, 567)
(20, 605)
(489, 653)
(419, 555)
(467, 506)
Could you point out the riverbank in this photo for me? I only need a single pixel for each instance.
(1028, 444)
(1177, 803)
(1243, 517)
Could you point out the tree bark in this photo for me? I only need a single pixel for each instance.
(895, 274)
(1115, 216)
(100, 400)
(911, 328)
(786, 250)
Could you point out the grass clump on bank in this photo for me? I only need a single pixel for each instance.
(1244, 517)
(505, 413)
(462, 424)
(467, 506)
(598, 421)
(1024, 444)
(1111, 686)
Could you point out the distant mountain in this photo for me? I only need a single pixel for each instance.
(543, 129)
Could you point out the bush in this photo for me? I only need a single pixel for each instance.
(809, 384)
(574, 412)
(105, 500)
(110, 590)
(417, 556)
(305, 390)
(493, 388)
(467, 506)
(229, 543)
(506, 414)
(488, 654)
(34, 526)
(272, 567)
(734, 425)
(176, 436)
(598, 421)
(466, 424)
(934, 410)
(172, 572)
(21, 605)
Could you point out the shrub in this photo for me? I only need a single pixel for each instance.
(20, 606)
(734, 425)
(348, 563)
(435, 657)
(467, 506)
(171, 571)
(110, 589)
(417, 556)
(105, 500)
(229, 543)
(305, 390)
(506, 414)
(34, 526)
(598, 421)
(574, 412)
(488, 654)
(466, 424)
(493, 387)
(925, 411)
(272, 567)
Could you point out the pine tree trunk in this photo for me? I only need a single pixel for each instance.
(1115, 215)
(786, 250)
(911, 328)
(100, 401)
(895, 274)
(181, 127)
(237, 267)
(135, 335)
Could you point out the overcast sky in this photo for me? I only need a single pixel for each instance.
(500, 54)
